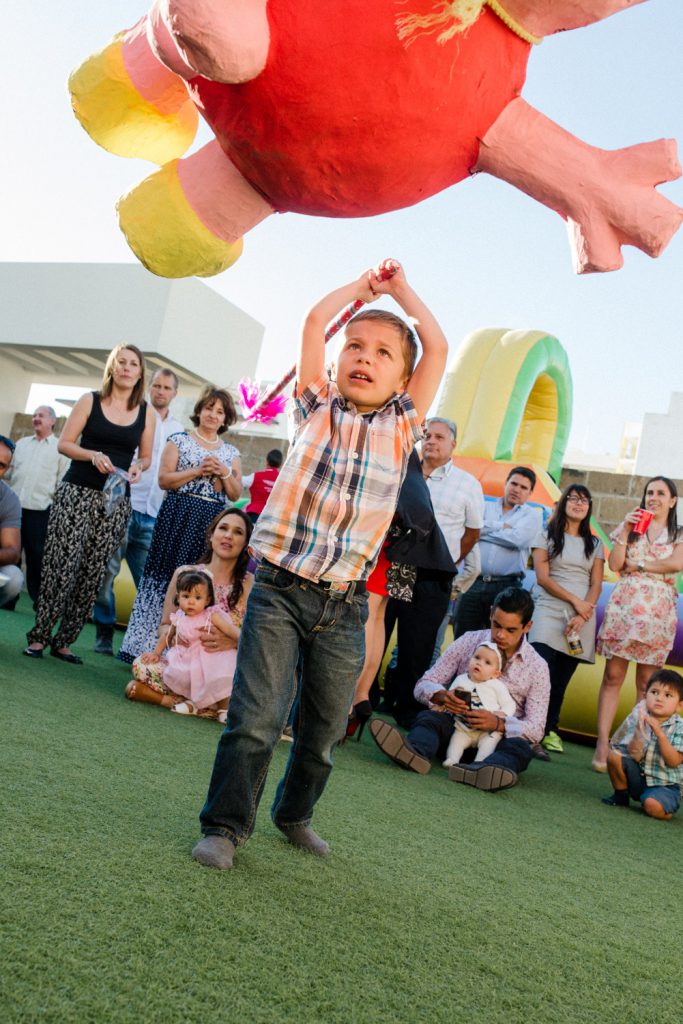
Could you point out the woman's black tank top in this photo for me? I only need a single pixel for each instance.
(100, 435)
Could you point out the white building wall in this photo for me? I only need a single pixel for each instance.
(84, 305)
(52, 313)
(661, 441)
(13, 392)
(209, 335)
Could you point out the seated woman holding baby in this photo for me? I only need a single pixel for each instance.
(224, 587)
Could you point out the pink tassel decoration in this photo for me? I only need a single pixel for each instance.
(255, 411)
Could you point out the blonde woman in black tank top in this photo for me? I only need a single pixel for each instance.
(103, 431)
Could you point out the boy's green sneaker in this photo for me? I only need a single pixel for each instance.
(553, 743)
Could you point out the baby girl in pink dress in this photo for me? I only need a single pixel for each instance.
(202, 677)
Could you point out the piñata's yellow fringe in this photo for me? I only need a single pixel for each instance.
(458, 15)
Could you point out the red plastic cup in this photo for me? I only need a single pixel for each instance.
(643, 522)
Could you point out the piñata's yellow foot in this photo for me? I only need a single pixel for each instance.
(166, 234)
(130, 104)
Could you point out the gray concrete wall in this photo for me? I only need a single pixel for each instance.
(254, 448)
(614, 494)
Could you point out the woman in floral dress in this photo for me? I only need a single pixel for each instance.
(640, 617)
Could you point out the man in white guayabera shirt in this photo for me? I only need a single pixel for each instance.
(37, 469)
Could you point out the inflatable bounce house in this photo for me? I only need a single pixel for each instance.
(510, 393)
(344, 108)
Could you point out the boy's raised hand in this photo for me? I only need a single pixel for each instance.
(390, 285)
(365, 290)
(654, 724)
(311, 362)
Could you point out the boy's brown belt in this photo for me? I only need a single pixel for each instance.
(330, 586)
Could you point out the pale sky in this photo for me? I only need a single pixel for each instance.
(481, 254)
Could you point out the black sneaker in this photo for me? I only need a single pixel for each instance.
(616, 801)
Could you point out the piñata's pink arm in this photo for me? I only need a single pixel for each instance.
(223, 200)
(223, 40)
(545, 17)
(607, 197)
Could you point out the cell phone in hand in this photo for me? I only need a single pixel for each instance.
(464, 695)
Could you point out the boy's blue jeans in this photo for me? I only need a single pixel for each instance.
(286, 616)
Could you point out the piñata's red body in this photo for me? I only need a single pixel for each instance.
(333, 68)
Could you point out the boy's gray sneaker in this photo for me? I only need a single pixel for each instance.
(305, 838)
(214, 852)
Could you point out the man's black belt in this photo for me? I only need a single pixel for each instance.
(500, 579)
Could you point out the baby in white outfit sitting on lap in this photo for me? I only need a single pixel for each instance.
(481, 688)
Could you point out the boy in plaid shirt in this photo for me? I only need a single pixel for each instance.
(318, 538)
(646, 759)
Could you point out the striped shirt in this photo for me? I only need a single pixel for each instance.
(336, 494)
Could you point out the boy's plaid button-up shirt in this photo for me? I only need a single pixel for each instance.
(653, 766)
(655, 769)
(336, 494)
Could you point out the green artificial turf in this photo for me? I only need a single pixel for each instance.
(438, 903)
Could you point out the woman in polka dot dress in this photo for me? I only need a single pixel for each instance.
(202, 475)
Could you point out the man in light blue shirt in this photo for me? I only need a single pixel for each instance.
(510, 526)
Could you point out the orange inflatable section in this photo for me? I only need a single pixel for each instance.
(492, 477)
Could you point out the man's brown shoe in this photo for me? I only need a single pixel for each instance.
(489, 777)
(392, 743)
